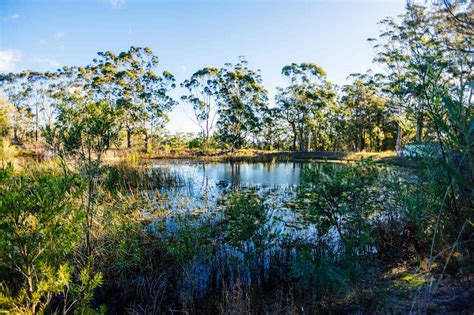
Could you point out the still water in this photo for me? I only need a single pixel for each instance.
(236, 174)
(203, 184)
(202, 197)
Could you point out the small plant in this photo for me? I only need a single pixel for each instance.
(341, 197)
(243, 220)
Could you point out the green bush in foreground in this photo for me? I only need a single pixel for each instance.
(40, 220)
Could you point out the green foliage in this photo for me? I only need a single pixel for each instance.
(195, 143)
(49, 283)
(242, 100)
(38, 229)
(353, 222)
(203, 88)
(339, 200)
(243, 221)
(87, 127)
(82, 291)
(320, 273)
(188, 239)
(368, 119)
(342, 196)
(304, 100)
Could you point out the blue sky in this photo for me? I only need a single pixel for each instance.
(188, 35)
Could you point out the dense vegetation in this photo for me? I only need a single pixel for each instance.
(81, 235)
(426, 54)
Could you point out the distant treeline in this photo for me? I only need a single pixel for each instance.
(426, 54)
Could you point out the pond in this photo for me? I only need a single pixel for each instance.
(203, 187)
(279, 174)
(199, 209)
(202, 184)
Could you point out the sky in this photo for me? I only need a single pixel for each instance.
(189, 35)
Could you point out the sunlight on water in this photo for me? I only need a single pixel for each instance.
(237, 174)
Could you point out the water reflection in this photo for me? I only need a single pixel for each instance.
(236, 174)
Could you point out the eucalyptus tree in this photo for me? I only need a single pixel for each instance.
(307, 93)
(337, 118)
(412, 49)
(39, 100)
(435, 57)
(289, 111)
(203, 88)
(366, 109)
(143, 93)
(330, 128)
(457, 45)
(438, 45)
(242, 100)
(394, 56)
(427, 61)
(451, 108)
(459, 18)
(16, 90)
(28, 92)
(274, 131)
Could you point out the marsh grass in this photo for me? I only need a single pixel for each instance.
(329, 245)
(232, 260)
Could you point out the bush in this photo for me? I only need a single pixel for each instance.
(40, 220)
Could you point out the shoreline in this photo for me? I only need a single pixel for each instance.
(387, 157)
(243, 156)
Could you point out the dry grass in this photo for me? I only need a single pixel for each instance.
(243, 155)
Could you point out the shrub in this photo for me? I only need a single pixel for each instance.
(40, 213)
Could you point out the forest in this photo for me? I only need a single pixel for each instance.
(328, 199)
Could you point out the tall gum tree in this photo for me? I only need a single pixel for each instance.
(203, 88)
(307, 93)
(142, 93)
(365, 109)
(17, 91)
(242, 100)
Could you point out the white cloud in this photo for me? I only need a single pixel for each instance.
(42, 42)
(59, 35)
(9, 59)
(117, 3)
(14, 16)
(183, 68)
(47, 61)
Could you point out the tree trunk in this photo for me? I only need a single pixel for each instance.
(36, 125)
(293, 127)
(309, 141)
(419, 127)
(30, 289)
(359, 140)
(302, 142)
(146, 142)
(129, 138)
(302, 139)
(398, 143)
